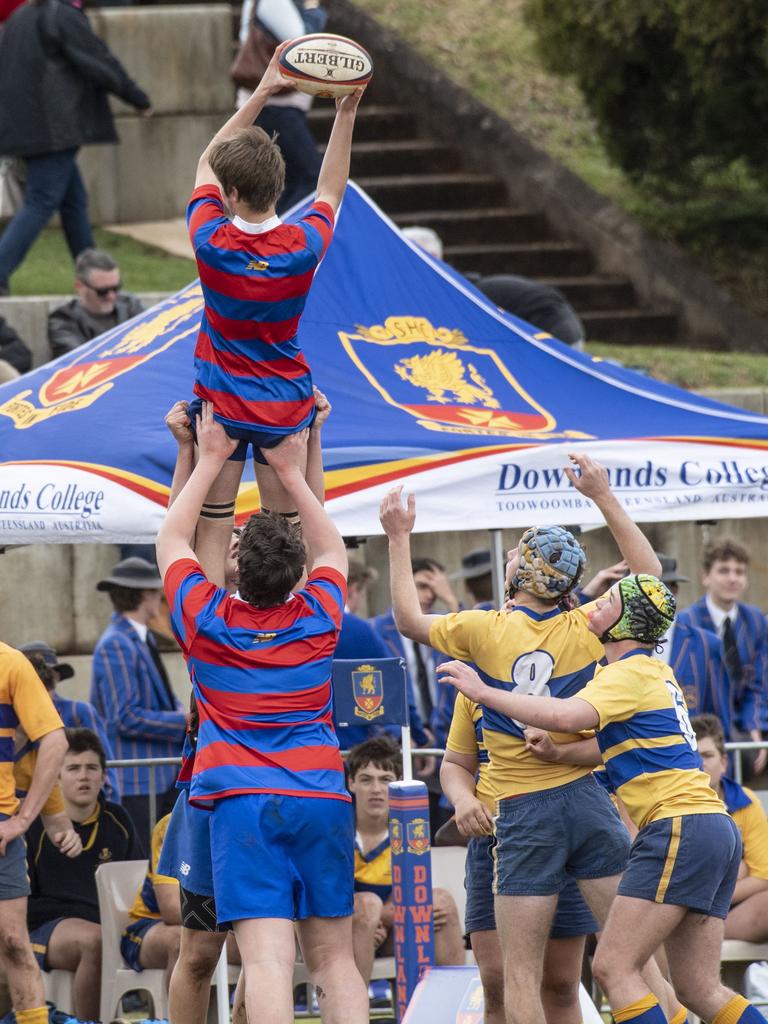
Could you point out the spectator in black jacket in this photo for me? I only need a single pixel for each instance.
(14, 352)
(55, 74)
(99, 306)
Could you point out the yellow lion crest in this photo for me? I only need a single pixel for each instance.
(443, 375)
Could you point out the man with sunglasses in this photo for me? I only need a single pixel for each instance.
(99, 304)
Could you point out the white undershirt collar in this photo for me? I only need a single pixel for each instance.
(719, 616)
(256, 229)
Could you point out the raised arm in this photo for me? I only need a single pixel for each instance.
(592, 482)
(320, 535)
(398, 523)
(334, 172)
(272, 82)
(177, 421)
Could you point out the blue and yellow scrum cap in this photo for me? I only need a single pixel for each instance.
(551, 562)
(647, 610)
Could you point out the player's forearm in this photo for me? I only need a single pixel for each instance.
(50, 754)
(182, 471)
(567, 715)
(181, 519)
(635, 548)
(320, 535)
(409, 618)
(585, 753)
(334, 172)
(457, 782)
(315, 475)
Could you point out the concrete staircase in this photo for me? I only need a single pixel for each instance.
(420, 180)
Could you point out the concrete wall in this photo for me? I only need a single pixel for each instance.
(28, 315)
(180, 56)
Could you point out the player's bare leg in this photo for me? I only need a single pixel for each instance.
(217, 519)
(190, 988)
(326, 943)
(24, 980)
(490, 964)
(365, 922)
(693, 952)
(562, 976)
(272, 494)
(523, 924)
(268, 952)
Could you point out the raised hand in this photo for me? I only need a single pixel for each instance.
(212, 439)
(178, 422)
(592, 478)
(396, 520)
(290, 454)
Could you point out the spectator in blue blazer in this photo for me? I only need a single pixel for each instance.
(130, 689)
(75, 714)
(743, 633)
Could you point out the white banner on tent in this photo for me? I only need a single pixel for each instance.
(655, 481)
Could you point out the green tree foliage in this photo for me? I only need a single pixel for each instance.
(678, 88)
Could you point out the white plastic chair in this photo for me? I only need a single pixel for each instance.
(116, 885)
(58, 989)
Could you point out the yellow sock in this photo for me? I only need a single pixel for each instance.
(38, 1015)
(738, 1011)
(644, 1011)
(680, 1017)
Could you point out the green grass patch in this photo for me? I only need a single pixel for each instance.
(48, 268)
(689, 368)
(487, 47)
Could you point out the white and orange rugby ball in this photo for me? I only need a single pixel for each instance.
(326, 65)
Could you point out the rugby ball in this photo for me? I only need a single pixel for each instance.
(326, 65)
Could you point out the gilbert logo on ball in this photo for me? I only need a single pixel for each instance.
(326, 65)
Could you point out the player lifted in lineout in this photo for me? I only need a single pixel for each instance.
(256, 274)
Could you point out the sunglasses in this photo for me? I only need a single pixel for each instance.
(103, 292)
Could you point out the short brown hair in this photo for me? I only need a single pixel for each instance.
(270, 560)
(252, 163)
(723, 550)
(83, 741)
(381, 751)
(709, 727)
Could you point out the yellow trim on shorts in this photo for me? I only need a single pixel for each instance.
(669, 863)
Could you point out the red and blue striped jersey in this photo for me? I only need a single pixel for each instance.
(262, 681)
(247, 359)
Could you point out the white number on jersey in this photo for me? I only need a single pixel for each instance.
(531, 674)
(681, 710)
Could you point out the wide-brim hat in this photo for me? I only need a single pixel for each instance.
(475, 563)
(133, 573)
(669, 573)
(49, 656)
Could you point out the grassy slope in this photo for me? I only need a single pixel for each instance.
(486, 47)
(689, 368)
(47, 270)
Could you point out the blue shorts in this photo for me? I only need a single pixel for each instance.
(40, 938)
(569, 831)
(258, 439)
(14, 881)
(186, 852)
(572, 917)
(282, 856)
(690, 861)
(132, 938)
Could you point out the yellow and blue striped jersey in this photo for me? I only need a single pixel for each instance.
(466, 737)
(373, 870)
(145, 904)
(24, 769)
(545, 653)
(647, 742)
(25, 703)
(747, 811)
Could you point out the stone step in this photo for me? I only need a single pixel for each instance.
(631, 326)
(408, 192)
(490, 224)
(413, 156)
(594, 292)
(374, 123)
(531, 259)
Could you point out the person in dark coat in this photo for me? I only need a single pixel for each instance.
(55, 75)
(13, 350)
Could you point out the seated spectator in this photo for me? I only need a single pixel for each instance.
(538, 304)
(152, 938)
(748, 916)
(13, 351)
(63, 911)
(99, 305)
(75, 714)
(371, 766)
